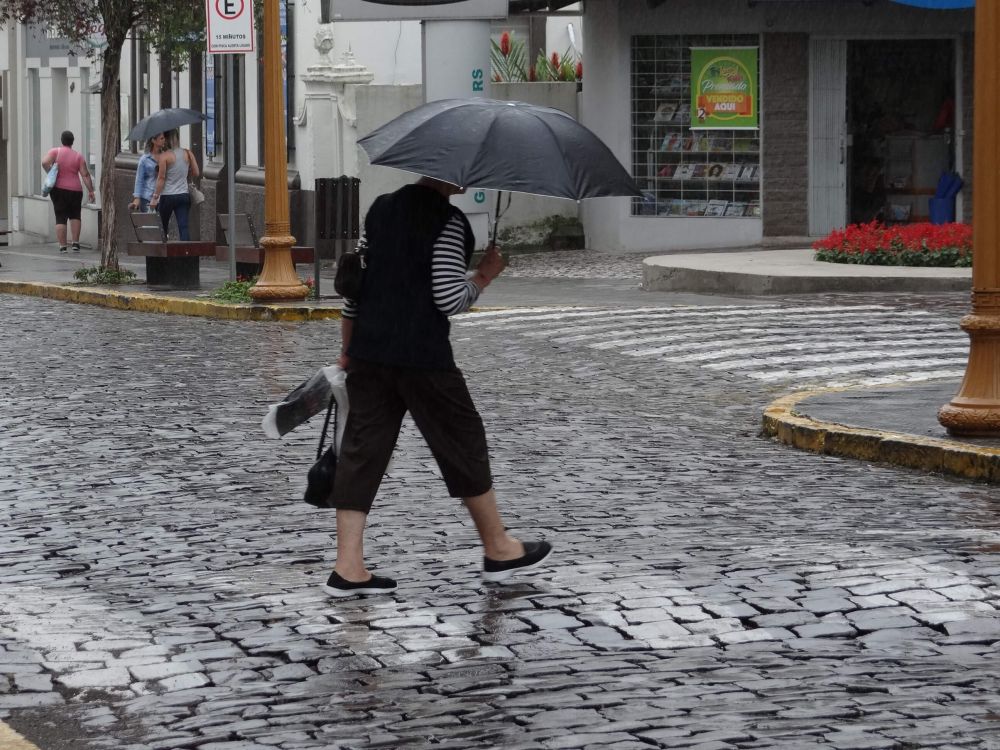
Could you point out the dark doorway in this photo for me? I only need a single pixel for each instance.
(901, 119)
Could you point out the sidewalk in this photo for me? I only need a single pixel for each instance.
(790, 271)
(896, 425)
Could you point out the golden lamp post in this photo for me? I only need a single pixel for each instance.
(278, 280)
(975, 411)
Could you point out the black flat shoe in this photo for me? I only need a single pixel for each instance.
(339, 586)
(535, 553)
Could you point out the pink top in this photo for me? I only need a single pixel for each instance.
(70, 163)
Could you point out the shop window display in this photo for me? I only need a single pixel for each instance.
(901, 120)
(685, 172)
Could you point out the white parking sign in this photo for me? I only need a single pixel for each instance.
(230, 26)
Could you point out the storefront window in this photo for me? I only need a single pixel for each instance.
(687, 172)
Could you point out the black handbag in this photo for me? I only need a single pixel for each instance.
(319, 483)
(351, 273)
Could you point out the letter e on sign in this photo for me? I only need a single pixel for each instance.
(229, 9)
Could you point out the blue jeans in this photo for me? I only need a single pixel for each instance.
(179, 204)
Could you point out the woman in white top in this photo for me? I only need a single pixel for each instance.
(175, 166)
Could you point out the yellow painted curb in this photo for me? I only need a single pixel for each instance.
(11, 740)
(153, 303)
(782, 421)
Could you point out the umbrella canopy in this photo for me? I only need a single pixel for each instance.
(162, 121)
(499, 145)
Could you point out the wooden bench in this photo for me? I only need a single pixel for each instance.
(173, 263)
(249, 253)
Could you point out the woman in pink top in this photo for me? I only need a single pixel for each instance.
(67, 195)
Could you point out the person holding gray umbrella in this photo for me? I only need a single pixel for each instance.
(395, 344)
(175, 165)
(398, 357)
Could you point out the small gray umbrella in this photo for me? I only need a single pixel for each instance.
(162, 121)
(500, 145)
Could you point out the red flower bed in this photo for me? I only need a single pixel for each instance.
(898, 245)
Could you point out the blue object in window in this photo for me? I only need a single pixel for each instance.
(940, 4)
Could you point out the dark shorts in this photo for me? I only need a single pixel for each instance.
(67, 204)
(440, 404)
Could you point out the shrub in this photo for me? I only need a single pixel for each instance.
(555, 68)
(898, 245)
(103, 276)
(235, 291)
(509, 59)
(238, 292)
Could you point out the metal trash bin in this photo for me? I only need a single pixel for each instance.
(337, 218)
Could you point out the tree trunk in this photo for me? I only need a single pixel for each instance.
(110, 144)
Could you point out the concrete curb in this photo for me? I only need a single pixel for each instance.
(781, 420)
(660, 278)
(164, 304)
(11, 740)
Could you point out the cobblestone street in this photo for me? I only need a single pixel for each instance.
(711, 589)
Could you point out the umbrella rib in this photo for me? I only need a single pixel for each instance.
(483, 142)
(562, 153)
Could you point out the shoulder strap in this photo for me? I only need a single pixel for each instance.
(331, 409)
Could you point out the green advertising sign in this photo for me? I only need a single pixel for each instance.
(724, 88)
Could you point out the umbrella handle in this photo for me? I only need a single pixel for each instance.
(496, 219)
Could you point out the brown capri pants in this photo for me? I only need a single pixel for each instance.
(439, 402)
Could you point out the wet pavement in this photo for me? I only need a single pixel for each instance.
(710, 588)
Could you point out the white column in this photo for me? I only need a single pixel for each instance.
(50, 130)
(327, 115)
(457, 66)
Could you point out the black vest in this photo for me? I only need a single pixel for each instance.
(397, 321)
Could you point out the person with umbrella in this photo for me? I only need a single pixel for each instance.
(158, 127)
(175, 165)
(397, 353)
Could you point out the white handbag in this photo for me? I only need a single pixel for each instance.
(196, 195)
(50, 177)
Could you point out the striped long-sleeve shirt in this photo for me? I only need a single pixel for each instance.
(453, 291)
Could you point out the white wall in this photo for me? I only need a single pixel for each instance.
(390, 49)
(376, 105)
(558, 37)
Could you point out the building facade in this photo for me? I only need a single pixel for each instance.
(47, 87)
(860, 106)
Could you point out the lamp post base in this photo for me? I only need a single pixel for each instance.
(975, 411)
(278, 280)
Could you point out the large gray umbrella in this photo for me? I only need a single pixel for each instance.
(499, 145)
(162, 121)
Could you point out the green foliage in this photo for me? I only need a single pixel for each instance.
(509, 59)
(555, 68)
(103, 276)
(947, 258)
(235, 292)
(175, 28)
